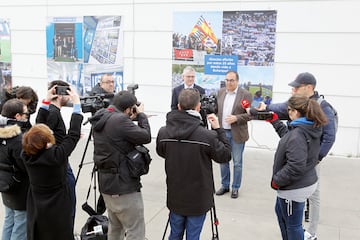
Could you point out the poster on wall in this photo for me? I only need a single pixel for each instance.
(81, 47)
(216, 42)
(5, 57)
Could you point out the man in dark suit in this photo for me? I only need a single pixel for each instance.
(188, 77)
(233, 118)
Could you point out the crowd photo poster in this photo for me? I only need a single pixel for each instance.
(81, 49)
(216, 42)
(5, 56)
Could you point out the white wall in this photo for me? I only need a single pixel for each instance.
(321, 37)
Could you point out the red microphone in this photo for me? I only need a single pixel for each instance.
(245, 103)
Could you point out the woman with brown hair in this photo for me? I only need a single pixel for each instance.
(294, 176)
(48, 203)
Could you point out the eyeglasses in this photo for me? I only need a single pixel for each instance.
(108, 82)
(230, 80)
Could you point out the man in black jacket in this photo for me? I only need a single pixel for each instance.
(116, 135)
(56, 123)
(188, 149)
(14, 114)
(105, 85)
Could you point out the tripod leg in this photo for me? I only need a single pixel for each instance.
(83, 156)
(167, 224)
(214, 221)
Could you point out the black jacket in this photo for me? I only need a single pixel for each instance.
(176, 91)
(188, 149)
(296, 155)
(329, 132)
(10, 151)
(49, 204)
(115, 135)
(97, 90)
(53, 119)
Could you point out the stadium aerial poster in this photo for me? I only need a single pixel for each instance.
(81, 49)
(5, 55)
(216, 42)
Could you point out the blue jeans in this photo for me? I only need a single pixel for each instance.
(237, 150)
(192, 224)
(14, 227)
(290, 214)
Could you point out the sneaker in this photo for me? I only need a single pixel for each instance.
(308, 236)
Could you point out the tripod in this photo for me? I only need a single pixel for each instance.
(85, 206)
(214, 224)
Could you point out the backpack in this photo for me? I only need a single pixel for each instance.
(336, 117)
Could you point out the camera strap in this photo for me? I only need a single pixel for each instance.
(86, 207)
(100, 206)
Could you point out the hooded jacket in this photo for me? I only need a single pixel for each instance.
(10, 151)
(188, 149)
(297, 154)
(328, 133)
(115, 135)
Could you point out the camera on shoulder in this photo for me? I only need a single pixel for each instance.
(96, 102)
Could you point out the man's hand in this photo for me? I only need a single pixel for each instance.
(214, 121)
(75, 99)
(51, 94)
(140, 108)
(230, 119)
(261, 107)
(134, 111)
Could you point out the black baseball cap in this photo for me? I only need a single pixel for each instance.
(304, 78)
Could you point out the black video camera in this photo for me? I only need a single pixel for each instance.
(132, 87)
(209, 103)
(96, 102)
(261, 115)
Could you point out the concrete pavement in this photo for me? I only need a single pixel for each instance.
(252, 215)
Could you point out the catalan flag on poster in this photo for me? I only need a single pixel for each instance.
(202, 31)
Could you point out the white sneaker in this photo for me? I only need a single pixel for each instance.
(308, 236)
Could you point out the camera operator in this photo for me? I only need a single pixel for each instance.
(188, 149)
(106, 85)
(55, 122)
(115, 135)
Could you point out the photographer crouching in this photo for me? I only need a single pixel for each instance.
(115, 135)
